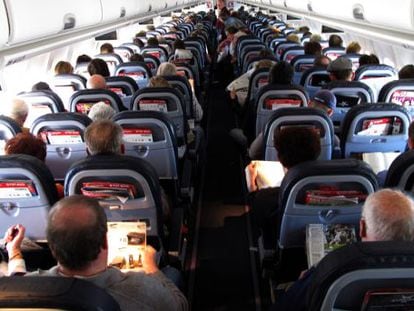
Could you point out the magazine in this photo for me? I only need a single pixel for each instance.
(107, 191)
(388, 299)
(15, 189)
(126, 244)
(269, 174)
(322, 239)
(331, 197)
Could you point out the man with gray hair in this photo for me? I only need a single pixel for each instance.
(387, 215)
(104, 137)
(101, 111)
(18, 111)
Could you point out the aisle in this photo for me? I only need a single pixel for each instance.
(223, 275)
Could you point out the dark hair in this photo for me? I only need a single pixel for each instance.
(335, 41)
(179, 44)
(368, 60)
(411, 131)
(41, 86)
(281, 73)
(152, 41)
(406, 72)
(232, 30)
(107, 48)
(83, 59)
(296, 145)
(341, 74)
(138, 42)
(313, 48)
(318, 62)
(26, 143)
(98, 66)
(263, 53)
(76, 243)
(136, 58)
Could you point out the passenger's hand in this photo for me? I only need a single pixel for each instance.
(233, 94)
(14, 237)
(149, 262)
(253, 176)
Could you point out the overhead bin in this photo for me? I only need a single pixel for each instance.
(300, 5)
(113, 10)
(342, 9)
(144, 6)
(36, 19)
(4, 25)
(278, 3)
(395, 14)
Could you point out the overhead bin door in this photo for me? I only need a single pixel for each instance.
(36, 19)
(300, 5)
(342, 9)
(144, 6)
(278, 3)
(4, 26)
(396, 14)
(113, 10)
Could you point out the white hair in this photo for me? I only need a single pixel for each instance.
(101, 111)
(389, 216)
(167, 69)
(18, 110)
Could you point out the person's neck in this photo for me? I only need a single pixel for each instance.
(95, 267)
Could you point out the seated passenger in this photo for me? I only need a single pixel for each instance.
(239, 88)
(180, 51)
(101, 111)
(77, 236)
(335, 41)
(96, 82)
(63, 68)
(136, 58)
(294, 145)
(313, 48)
(406, 72)
(26, 143)
(107, 48)
(98, 66)
(341, 69)
(322, 61)
(387, 215)
(18, 110)
(353, 48)
(41, 86)
(169, 69)
(104, 137)
(368, 60)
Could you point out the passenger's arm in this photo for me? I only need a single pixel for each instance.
(13, 238)
(172, 294)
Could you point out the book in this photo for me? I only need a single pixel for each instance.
(126, 244)
(379, 161)
(322, 239)
(269, 174)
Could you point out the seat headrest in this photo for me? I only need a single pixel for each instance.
(360, 255)
(35, 167)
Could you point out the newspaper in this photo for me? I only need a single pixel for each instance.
(322, 239)
(126, 244)
(269, 174)
(379, 161)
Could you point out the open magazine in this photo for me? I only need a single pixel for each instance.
(322, 239)
(269, 174)
(379, 161)
(126, 244)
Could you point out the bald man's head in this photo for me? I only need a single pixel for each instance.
(96, 82)
(76, 231)
(388, 215)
